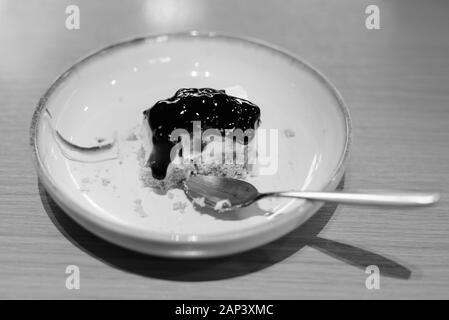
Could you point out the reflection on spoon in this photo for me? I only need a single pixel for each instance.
(225, 194)
(103, 151)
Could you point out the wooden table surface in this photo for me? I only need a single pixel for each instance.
(395, 81)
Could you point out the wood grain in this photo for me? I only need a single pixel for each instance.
(395, 81)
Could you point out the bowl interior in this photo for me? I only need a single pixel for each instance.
(105, 95)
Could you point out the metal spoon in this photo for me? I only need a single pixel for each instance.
(224, 194)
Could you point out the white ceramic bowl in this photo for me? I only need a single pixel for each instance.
(105, 94)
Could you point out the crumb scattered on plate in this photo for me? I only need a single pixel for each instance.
(132, 137)
(289, 133)
(139, 208)
(105, 182)
(180, 206)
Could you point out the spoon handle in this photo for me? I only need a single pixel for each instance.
(388, 199)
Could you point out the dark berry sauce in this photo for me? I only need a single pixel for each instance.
(213, 108)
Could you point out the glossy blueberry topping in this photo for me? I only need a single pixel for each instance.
(213, 108)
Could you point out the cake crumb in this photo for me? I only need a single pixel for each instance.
(289, 133)
(222, 205)
(131, 137)
(139, 208)
(85, 180)
(200, 201)
(105, 182)
(180, 206)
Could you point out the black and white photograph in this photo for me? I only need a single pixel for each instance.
(209, 151)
